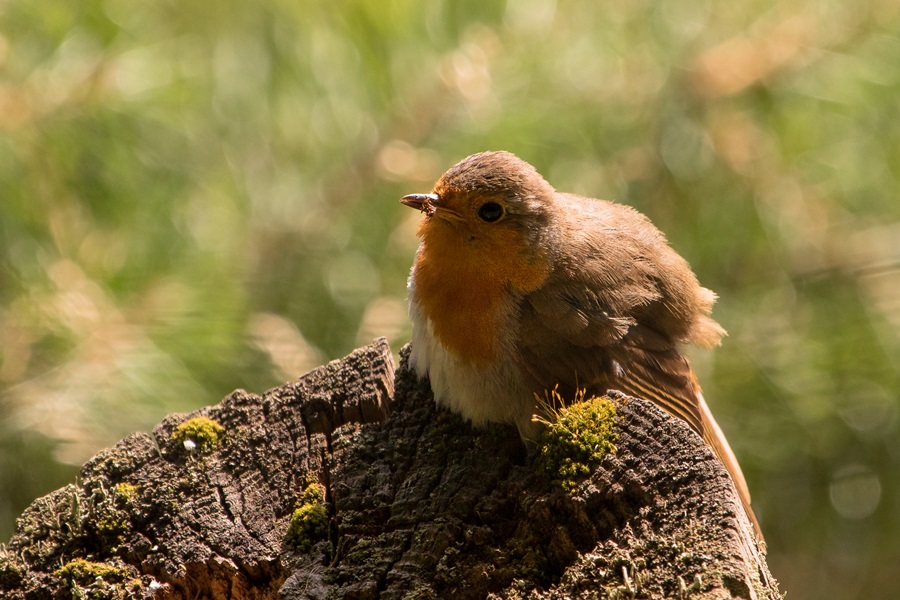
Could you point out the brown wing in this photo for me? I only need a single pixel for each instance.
(642, 364)
(613, 319)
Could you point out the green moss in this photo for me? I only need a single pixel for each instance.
(85, 572)
(126, 492)
(113, 525)
(98, 581)
(105, 514)
(577, 437)
(202, 431)
(309, 522)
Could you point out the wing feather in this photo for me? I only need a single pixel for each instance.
(612, 321)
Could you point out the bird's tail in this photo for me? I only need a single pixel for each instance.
(713, 435)
(658, 372)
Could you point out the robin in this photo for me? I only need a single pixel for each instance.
(518, 289)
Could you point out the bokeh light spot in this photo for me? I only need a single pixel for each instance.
(855, 492)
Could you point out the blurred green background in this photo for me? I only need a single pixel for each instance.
(196, 197)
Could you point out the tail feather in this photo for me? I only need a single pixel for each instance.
(665, 377)
(713, 435)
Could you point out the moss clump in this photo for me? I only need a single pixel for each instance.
(113, 525)
(309, 522)
(98, 581)
(107, 513)
(85, 572)
(577, 437)
(202, 432)
(125, 492)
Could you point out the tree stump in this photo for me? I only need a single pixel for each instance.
(338, 486)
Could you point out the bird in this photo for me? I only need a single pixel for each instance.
(517, 289)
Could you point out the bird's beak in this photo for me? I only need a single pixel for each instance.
(423, 202)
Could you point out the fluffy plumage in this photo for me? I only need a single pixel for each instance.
(559, 290)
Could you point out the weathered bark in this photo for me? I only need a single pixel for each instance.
(419, 505)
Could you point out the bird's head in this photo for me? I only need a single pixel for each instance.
(491, 205)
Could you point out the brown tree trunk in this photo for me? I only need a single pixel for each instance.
(338, 486)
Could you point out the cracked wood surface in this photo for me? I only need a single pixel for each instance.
(420, 506)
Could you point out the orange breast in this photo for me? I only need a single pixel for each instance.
(466, 290)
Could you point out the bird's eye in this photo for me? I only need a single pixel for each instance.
(490, 211)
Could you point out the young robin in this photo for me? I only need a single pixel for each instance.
(518, 289)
